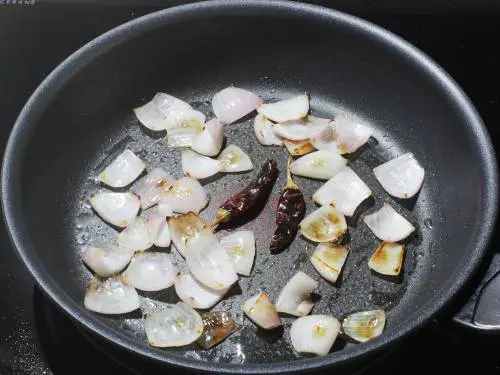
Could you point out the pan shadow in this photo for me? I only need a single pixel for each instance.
(408, 203)
(167, 295)
(235, 290)
(368, 203)
(356, 154)
(393, 279)
(54, 330)
(136, 314)
(219, 175)
(338, 283)
(271, 336)
(396, 279)
(153, 134)
(415, 238)
(112, 226)
(315, 297)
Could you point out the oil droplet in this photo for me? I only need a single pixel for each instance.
(301, 259)
(83, 238)
(428, 223)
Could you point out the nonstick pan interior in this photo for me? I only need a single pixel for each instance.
(84, 118)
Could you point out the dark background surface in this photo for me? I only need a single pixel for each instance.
(462, 36)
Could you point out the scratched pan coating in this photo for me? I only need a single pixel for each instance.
(81, 117)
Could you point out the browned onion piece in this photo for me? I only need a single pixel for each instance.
(217, 326)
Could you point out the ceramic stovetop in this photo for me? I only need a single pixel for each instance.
(36, 338)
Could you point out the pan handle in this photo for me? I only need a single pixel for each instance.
(481, 312)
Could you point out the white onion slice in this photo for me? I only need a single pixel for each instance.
(232, 103)
(111, 296)
(351, 135)
(136, 236)
(261, 311)
(184, 228)
(264, 131)
(185, 119)
(158, 229)
(150, 186)
(365, 325)
(167, 103)
(326, 139)
(401, 177)
(196, 294)
(328, 260)
(387, 259)
(209, 141)
(240, 248)
(150, 272)
(163, 236)
(153, 114)
(295, 297)
(326, 224)
(314, 334)
(123, 170)
(234, 159)
(164, 209)
(289, 109)
(116, 208)
(322, 165)
(298, 148)
(177, 325)
(208, 262)
(106, 260)
(294, 130)
(388, 225)
(198, 166)
(185, 195)
(316, 124)
(346, 190)
(184, 130)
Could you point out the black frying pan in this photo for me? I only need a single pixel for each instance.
(81, 116)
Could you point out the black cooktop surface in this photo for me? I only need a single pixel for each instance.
(36, 338)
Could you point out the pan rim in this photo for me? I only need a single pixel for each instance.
(13, 157)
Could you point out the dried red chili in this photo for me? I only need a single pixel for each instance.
(251, 196)
(289, 213)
